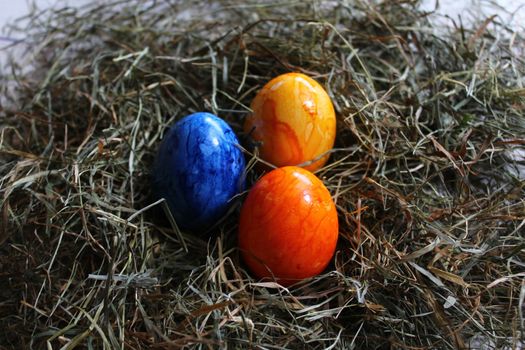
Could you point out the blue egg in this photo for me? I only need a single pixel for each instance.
(198, 170)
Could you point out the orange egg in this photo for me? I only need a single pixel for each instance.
(294, 119)
(288, 227)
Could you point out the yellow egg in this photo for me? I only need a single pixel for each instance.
(294, 120)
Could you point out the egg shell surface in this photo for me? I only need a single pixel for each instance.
(198, 170)
(288, 226)
(294, 121)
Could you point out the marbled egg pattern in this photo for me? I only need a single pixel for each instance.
(199, 168)
(288, 226)
(294, 120)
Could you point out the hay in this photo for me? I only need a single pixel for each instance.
(427, 175)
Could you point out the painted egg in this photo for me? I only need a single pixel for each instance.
(288, 226)
(293, 119)
(198, 170)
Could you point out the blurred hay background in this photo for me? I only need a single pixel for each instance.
(427, 175)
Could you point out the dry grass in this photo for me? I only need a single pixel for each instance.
(426, 177)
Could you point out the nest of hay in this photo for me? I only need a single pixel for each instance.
(427, 174)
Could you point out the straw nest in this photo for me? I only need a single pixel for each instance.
(427, 174)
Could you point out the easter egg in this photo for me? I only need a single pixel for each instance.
(198, 170)
(288, 226)
(293, 120)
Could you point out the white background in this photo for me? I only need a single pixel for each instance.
(12, 9)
